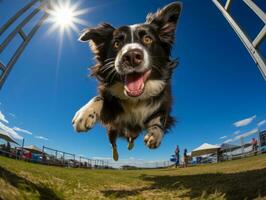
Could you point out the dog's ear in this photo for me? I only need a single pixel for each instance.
(97, 36)
(165, 21)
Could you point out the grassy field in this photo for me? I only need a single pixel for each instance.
(240, 179)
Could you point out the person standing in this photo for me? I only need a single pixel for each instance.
(8, 149)
(185, 158)
(177, 151)
(254, 143)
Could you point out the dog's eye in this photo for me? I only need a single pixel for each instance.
(117, 44)
(147, 39)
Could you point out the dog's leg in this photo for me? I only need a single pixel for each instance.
(88, 115)
(155, 133)
(115, 152)
(112, 134)
(130, 136)
(130, 144)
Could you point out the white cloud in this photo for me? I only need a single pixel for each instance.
(41, 138)
(244, 122)
(262, 122)
(229, 140)
(3, 118)
(223, 137)
(22, 130)
(246, 134)
(10, 131)
(236, 132)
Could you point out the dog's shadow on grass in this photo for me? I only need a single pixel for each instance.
(25, 185)
(244, 185)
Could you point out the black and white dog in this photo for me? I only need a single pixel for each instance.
(134, 70)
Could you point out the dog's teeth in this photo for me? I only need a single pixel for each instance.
(142, 86)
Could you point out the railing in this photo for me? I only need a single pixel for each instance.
(251, 45)
(56, 157)
(5, 69)
(241, 145)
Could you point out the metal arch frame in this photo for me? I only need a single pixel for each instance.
(252, 46)
(18, 30)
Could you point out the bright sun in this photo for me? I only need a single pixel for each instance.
(64, 17)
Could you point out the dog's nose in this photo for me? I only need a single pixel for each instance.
(133, 58)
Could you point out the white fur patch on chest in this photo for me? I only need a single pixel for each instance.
(137, 109)
(137, 113)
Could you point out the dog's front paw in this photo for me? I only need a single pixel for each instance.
(87, 116)
(153, 138)
(84, 119)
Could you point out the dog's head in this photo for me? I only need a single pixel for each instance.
(134, 61)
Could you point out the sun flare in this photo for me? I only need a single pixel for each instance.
(65, 17)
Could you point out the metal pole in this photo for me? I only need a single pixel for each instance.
(260, 37)
(251, 46)
(259, 12)
(242, 146)
(228, 5)
(259, 143)
(22, 148)
(18, 30)
(42, 153)
(55, 155)
(16, 16)
(19, 51)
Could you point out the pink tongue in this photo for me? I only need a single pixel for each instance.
(134, 81)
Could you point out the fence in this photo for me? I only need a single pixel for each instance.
(55, 157)
(241, 145)
(50, 156)
(237, 147)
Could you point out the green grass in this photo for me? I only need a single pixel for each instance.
(239, 179)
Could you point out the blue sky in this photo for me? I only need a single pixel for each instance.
(215, 85)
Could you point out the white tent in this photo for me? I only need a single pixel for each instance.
(33, 149)
(5, 136)
(205, 149)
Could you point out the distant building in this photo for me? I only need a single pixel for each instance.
(263, 138)
(263, 141)
(128, 167)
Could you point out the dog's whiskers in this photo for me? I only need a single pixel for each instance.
(110, 73)
(108, 63)
(108, 59)
(106, 68)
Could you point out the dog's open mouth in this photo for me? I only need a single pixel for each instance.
(134, 83)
